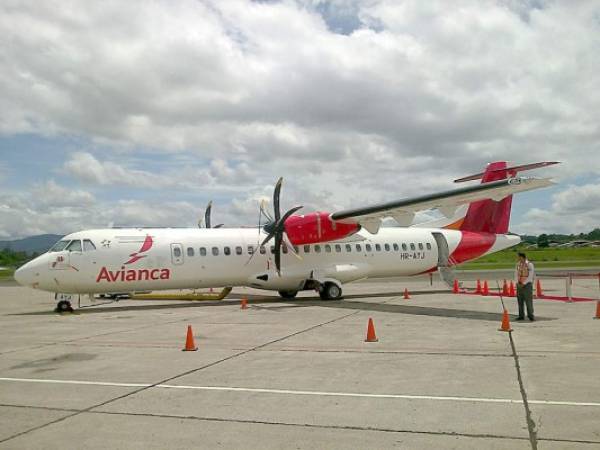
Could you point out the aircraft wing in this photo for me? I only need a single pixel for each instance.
(403, 211)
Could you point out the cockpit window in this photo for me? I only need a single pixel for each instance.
(74, 246)
(88, 246)
(59, 246)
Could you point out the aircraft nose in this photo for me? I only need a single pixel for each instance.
(25, 275)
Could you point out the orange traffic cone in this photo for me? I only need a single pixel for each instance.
(511, 289)
(244, 304)
(486, 288)
(505, 322)
(505, 289)
(190, 346)
(597, 310)
(371, 332)
(406, 296)
(455, 287)
(478, 288)
(538, 289)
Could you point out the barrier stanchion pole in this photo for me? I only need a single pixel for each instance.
(569, 287)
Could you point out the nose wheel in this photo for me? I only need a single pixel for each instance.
(63, 306)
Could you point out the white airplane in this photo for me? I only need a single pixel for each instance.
(319, 251)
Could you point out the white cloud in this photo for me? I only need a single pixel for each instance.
(415, 94)
(52, 195)
(573, 210)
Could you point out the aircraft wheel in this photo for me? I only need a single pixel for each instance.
(63, 306)
(330, 291)
(288, 294)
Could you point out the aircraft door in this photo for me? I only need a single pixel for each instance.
(177, 254)
(444, 267)
(443, 251)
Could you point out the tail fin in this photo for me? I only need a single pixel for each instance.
(491, 216)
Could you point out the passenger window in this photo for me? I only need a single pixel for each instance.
(420, 246)
(284, 248)
(404, 247)
(412, 246)
(238, 250)
(263, 250)
(250, 250)
(428, 246)
(396, 248)
(338, 248)
(378, 247)
(215, 251)
(190, 251)
(387, 247)
(368, 247)
(296, 249)
(202, 251)
(358, 248)
(348, 248)
(176, 252)
(88, 246)
(272, 249)
(327, 248)
(307, 249)
(74, 246)
(227, 251)
(317, 248)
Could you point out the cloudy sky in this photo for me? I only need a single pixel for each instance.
(139, 112)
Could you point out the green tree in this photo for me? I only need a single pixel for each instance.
(542, 241)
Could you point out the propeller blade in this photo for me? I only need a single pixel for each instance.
(219, 226)
(264, 212)
(207, 214)
(276, 193)
(279, 226)
(268, 238)
(278, 253)
(290, 246)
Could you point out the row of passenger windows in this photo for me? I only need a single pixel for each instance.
(327, 248)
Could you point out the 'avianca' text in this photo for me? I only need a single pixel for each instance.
(132, 275)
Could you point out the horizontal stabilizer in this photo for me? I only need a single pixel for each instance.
(510, 171)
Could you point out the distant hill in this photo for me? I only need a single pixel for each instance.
(33, 244)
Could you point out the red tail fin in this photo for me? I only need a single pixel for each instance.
(488, 215)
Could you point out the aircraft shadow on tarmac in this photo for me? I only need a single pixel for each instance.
(351, 302)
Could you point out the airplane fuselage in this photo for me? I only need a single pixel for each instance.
(147, 259)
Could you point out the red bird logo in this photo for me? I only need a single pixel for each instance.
(135, 256)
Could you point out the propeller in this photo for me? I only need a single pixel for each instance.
(207, 218)
(275, 226)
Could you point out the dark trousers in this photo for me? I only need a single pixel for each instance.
(525, 296)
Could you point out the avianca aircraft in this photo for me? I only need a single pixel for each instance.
(320, 250)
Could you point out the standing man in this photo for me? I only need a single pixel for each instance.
(524, 276)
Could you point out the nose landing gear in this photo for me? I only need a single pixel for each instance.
(63, 306)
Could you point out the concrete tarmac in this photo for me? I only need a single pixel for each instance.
(298, 374)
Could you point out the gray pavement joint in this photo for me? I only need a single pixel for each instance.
(303, 425)
(188, 372)
(530, 422)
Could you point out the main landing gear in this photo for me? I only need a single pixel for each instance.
(330, 291)
(63, 306)
(288, 295)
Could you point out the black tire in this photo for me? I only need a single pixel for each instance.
(63, 306)
(330, 291)
(288, 294)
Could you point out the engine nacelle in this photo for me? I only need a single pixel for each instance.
(317, 227)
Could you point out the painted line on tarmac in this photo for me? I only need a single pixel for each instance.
(294, 392)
